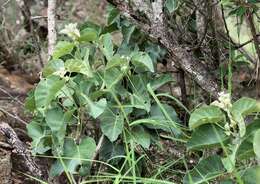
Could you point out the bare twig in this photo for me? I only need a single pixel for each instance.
(13, 116)
(250, 21)
(20, 148)
(100, 142)
(11, 96)
(25, 9)
(51, 26)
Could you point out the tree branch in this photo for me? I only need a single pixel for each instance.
(20, 148)
(157, 29)
(250, 20)
(52, 36)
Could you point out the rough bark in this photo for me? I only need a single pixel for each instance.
(20, 149)
(155, 25)
(5, 166)
(52, 36)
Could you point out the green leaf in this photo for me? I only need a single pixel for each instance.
(117, 61)
(251, 175)
(111, 150)
(241, 123)
(54, 118)
(229, 161)
(30, 102)
(112, 124)
(206, 170)
(53, 66)
(256, 144)
(85, 150)
(142, 59)
(141, 136)
(112, 76)
(162, 122)
(244, 106)
(171, 5)
(127, 32)
(112, 15)
(140, 102)
(62, 48)
(204, 115)
(245, 150)
(106, 46)
(161, 80)
(39, 143)
(46, 91)
(95, 109)
(88, 35)
(205, 136)
(34, 130)
(79, 66)
(139, 98)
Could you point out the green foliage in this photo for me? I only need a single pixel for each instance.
(223, 125)
(171, 5)
(92, 82)
(89, 77)
(206, 136)
(207, 169)
(204, 115)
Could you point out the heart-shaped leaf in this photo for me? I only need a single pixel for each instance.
(47, 90)
(206, 170)
(62, 48)
(74, 156)
(53, 66)
(204, 115)
(142, 59)
(251, 175)
(205, 136)
(244, 106)
(141, 136)
(112, 124)
(40, 141)
(88, 35)
(79, 66)
(107, 46)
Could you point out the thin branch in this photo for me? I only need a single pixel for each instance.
(52, 35)
(250, 21)
(29, 26)
(13, 116)
(99, 145)
(11, 96)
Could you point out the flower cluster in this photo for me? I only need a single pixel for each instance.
(71, 31)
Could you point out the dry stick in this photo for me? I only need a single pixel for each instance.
(100, 142)
(28, 21)
(51, 26)
(250, 21)
(13, 116)
(20, 148)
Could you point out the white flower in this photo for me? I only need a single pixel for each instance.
(223, 102)
(71, 30)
